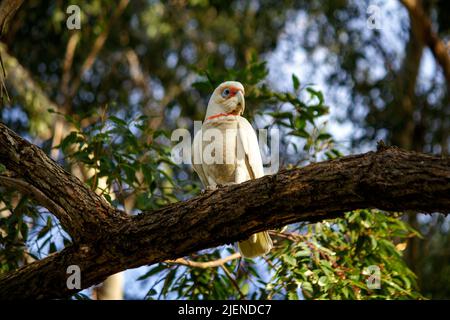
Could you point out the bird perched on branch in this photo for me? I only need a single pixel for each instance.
(226, 151)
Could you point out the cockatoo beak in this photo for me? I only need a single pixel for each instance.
(240, 102)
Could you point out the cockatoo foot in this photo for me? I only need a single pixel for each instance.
(209, 189)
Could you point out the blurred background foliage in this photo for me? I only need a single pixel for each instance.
(103, 101)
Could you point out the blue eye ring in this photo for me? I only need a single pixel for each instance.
(225, 92)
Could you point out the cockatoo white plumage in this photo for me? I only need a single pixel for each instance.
(236, 153)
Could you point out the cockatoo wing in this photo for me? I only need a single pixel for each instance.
(259, 243)
(252, 154)
(197, 158)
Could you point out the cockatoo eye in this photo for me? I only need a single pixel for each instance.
(225, 93)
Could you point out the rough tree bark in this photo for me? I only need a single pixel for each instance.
(107, 241)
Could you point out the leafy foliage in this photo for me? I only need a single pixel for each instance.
(332, 259)
(123, 159)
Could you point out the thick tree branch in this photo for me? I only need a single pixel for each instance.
(84, 214)
(7, 11)
(390, 179)
(97, 47)
(436, 45)
(34, 99)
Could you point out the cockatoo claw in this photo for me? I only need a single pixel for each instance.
(209, 189)
(215, 187)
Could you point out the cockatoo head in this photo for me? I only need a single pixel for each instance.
(227, 98)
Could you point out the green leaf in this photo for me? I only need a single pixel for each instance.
(203, 86)
(303, 253)
(281, 115)
(324, 136)
(70, 139)
(292, 295)
(299, 133)
(317, 94)
(24, 230)
(130, 172)
(323, 281)
(245, 289)
(157, 269)
(151, 292)
(346, 292)
(46, 228)
(118, 121)
(52, 248)
(289, 260)
(296, 82)
(168, 281)
(307, 286)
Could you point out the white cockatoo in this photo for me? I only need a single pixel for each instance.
(226, 151)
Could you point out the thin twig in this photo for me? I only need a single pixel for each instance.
(98, 46)
(206, 264)
(67, 65)
(436, 45)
